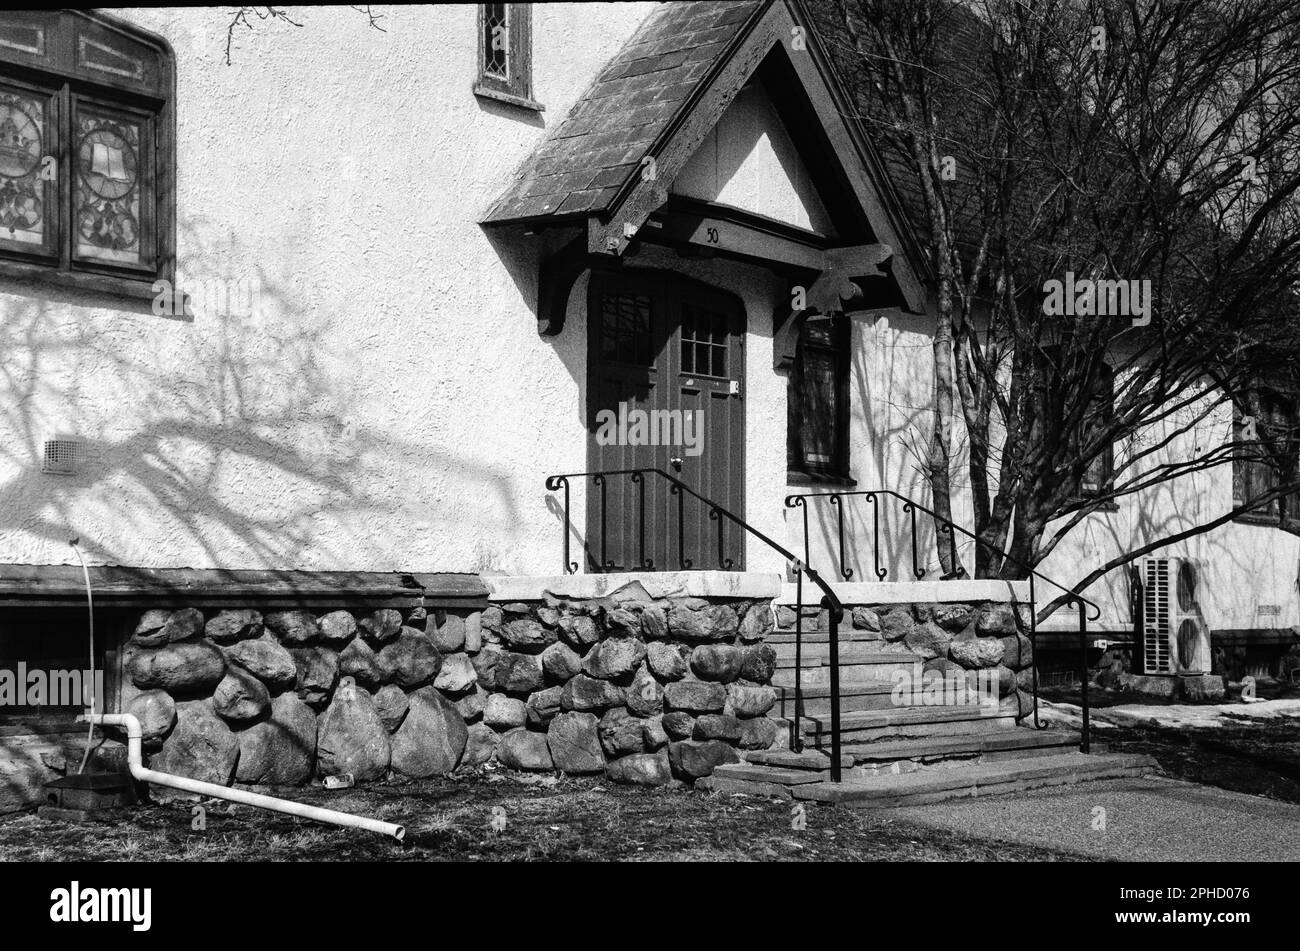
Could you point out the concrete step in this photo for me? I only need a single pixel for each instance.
(809, 759)
(982, 779)
(872, 695)
(985, 746)
(873, 726)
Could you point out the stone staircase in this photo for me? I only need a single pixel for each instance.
(894, 754)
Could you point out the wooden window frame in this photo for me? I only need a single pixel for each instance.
(1287, 514)
(59, 67)
(800, 470)
(516, 88)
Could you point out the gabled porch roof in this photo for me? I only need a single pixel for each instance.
(607, 169)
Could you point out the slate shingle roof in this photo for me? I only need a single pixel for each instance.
(583, 163)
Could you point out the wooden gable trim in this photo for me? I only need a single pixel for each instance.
(774, 26)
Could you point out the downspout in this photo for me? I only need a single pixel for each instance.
(144, 774)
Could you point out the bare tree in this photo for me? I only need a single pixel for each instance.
(1093, 143)
(241, 18)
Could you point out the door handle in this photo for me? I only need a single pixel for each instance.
(676, 463)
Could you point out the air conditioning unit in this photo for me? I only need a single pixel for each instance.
(1175, 638)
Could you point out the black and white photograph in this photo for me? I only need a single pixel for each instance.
(701, 431)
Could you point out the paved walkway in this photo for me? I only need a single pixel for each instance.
(1151, 819)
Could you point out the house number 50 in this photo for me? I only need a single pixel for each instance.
(712, 234)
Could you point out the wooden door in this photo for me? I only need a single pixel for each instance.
(665, 391)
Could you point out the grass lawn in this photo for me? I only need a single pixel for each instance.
(569, 819)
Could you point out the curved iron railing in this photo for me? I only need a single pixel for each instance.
(679, 489)
(944, 526)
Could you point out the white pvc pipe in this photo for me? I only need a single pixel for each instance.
(144, 774)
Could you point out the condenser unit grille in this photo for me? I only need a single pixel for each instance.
(61, 456)
(1156, 655)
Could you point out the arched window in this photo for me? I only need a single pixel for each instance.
(87, 156)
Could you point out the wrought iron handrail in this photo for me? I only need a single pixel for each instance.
(832, 604)
(946, 526)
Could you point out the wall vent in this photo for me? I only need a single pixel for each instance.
(62, 456)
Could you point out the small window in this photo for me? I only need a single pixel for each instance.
(817, 406)
(505, 53)
(1099, 475)
(1267, 456)
(86, 154)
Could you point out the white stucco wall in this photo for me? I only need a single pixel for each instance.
(390, 405)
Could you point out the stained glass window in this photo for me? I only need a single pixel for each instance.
(112, 203)
(85, 151)
(26, 199)
(505, 53)
(817, 416)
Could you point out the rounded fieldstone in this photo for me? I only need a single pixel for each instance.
(716, 726)
(896, 623)
(654, 623)
(543, 706)
(678, 725)
(457, 674)
(758, 733)
(976, 652)
(575, 744)
(360, 662)
(185, 668)
(653, 733)
(446, 631)
(480, 745)
(621, 733)
(518, 673)
(201, 746)
(719, 662)
(759, 663)
(695, 696)
(474, 634)
(865, 619)
(641, 769)
(693, 759)
(471, 705)
(527, 634)
(351, 737)
(524, 749)
(183, 625)
(928, 640)
(667, 661)
(280, 750)
(996, 619)
(1017, 651)
(757, 622)
(561, 662)
(391, 704)
(951, 617)
(240, 697)
(504, 713)
(579, 631)
(750, 701)
(337, 627)
(409, 660)
(156, 711)
(293, 627)
(645, 696)
(381, 626)
(614, 658)
(265, 659)
(230, 626)
(431, 739)
(317, 671)
(588, 693)
(148, 630)
(714, 622)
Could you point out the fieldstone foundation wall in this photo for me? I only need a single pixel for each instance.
(641, 690)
